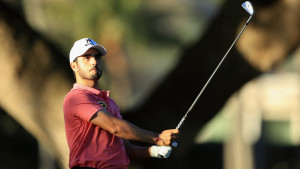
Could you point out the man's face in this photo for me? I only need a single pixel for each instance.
(89, 65)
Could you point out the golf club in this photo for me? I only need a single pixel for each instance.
(249, 8)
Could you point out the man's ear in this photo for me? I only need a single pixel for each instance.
(73, 66)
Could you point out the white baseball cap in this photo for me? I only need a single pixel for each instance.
(82, 45)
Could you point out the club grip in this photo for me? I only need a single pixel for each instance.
(174, 144)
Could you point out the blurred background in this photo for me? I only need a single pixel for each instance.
(160, 54)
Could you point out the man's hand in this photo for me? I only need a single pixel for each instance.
(160, 151)
(167, 137)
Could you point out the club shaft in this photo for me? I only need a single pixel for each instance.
(214, 72)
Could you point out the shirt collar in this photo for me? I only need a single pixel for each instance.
(91, 90)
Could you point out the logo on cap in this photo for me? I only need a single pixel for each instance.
(90, 42)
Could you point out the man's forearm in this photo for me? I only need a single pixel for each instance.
(135, 152)
(130, 131)
(123, 128)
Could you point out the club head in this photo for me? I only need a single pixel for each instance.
(248, 7)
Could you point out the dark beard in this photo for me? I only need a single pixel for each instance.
(97, 75)
(94, 76)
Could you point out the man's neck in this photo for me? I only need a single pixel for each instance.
(88, 83)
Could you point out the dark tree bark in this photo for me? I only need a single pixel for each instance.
(35, 78)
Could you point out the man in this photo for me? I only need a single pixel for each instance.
(96, 133)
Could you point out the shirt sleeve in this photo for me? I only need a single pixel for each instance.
(82, 105)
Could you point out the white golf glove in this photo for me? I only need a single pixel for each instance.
(160, 151)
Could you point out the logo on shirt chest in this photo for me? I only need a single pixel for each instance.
(103, 104)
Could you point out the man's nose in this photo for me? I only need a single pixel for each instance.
(93, 60)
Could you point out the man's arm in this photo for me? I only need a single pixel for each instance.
(129, 131)
(135, 152)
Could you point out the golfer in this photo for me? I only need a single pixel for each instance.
(96, 133)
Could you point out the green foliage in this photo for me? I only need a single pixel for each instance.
(147, 34)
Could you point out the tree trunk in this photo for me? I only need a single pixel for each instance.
(36, 78)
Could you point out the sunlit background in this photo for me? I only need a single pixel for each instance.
(139, 35)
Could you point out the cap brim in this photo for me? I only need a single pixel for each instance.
(100, 48)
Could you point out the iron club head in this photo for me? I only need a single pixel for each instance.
(248, 7)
